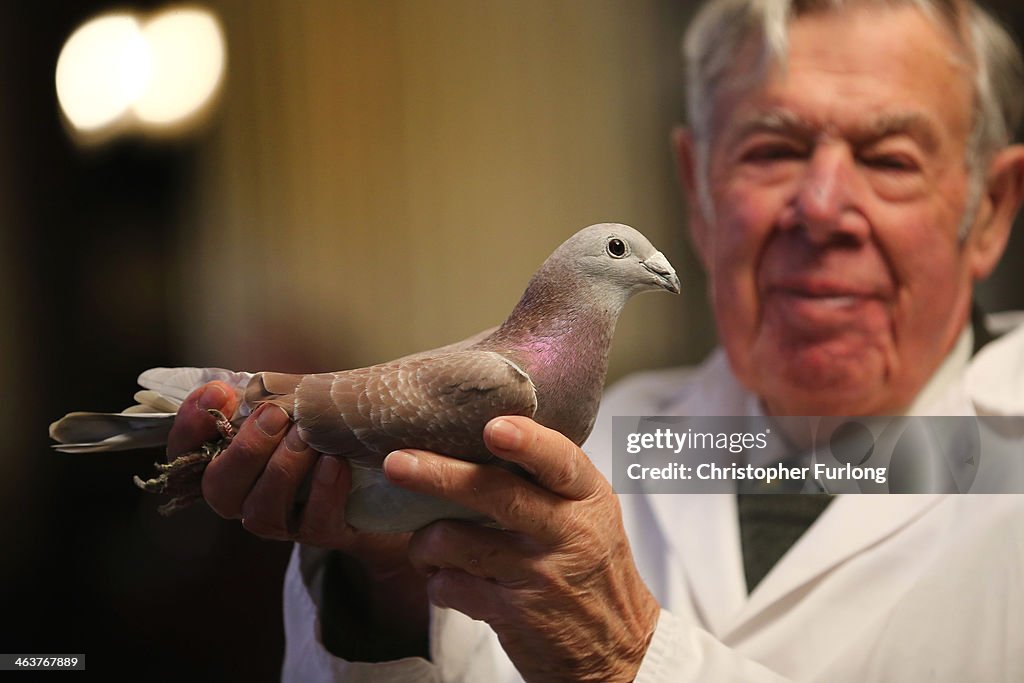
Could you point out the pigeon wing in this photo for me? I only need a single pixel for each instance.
(437, 402)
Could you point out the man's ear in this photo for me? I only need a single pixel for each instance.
(686, 167)
(1004, 191)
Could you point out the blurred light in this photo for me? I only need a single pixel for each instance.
(158, 74)
(102, 69)
(188, 64)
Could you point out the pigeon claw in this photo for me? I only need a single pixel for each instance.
(182, 478)
(224, 426)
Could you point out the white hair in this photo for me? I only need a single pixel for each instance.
(723, 28)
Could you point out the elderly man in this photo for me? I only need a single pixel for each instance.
(850, 177)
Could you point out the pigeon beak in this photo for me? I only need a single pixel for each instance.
(661, 268)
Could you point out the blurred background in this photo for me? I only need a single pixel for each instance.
(356, 180)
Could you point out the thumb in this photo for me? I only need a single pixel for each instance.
(193, 425)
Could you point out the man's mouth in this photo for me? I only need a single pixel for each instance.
(816, 305)
(827, 291)
(829, 300)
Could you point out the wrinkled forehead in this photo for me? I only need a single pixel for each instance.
(750, 49)
(764, 47)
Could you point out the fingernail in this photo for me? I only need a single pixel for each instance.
(327, 469)
(401, 465)
(271, 419)
(213, 396)
(505, 435)
(294, 442)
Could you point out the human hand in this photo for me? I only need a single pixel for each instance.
(558, 583)
(258, 479)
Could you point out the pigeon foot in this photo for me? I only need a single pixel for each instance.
(182, 477)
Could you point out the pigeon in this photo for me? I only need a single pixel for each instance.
(547, 360)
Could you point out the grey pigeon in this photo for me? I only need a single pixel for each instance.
(548, 361)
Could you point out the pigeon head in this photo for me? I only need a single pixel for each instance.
(613, 261)
(589, 278)
(618, 257)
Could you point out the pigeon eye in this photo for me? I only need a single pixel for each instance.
(617, 248)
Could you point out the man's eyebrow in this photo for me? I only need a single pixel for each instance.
(772, 121)
(913, 125)
(784, 121)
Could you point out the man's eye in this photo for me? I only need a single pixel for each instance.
(771, 153)
(889, 162)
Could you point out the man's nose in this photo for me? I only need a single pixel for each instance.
(825, 204)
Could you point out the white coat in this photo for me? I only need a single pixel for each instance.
(879, 588)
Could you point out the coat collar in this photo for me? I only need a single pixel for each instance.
(710, 548)
(996, 375)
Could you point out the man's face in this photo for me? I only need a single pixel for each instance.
(838, 280)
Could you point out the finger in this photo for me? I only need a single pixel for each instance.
(481, 551)
(475, 597)
(323, 517)
(269, 509)
(508, 499)
(556, 463)
(193, 425)
(231, 475)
